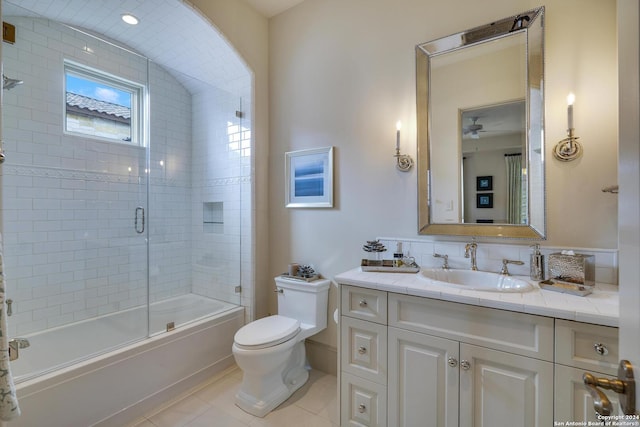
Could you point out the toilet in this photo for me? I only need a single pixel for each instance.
(270, 351)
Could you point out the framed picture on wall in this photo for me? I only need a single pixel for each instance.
(309, 178)
(484, 200)
(484, 183)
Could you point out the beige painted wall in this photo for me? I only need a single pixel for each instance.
(342, 74)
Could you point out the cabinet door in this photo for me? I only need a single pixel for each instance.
(423, 380)
(499, 389)
(573, 402)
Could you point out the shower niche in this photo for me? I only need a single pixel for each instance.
(213, 217)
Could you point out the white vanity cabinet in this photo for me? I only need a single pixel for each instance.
(456, 365)
(468, 359)
(581, 348)
(447, 364)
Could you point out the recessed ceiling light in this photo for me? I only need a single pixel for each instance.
(130, 19)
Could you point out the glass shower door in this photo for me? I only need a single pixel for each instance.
(74, 196)
(196, 199)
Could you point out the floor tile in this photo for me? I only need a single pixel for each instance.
(213, 404)
(180, 414)
(287, 415)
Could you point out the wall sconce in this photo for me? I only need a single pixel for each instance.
(568, 149)
(404, 162)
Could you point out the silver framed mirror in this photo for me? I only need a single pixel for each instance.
(480, 128)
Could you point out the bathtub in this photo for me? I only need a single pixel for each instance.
(114, 388)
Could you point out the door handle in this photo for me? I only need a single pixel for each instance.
(624, 385)
(139, 215)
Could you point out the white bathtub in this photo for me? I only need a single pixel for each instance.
(114, 388)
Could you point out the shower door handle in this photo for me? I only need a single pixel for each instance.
(139, 218)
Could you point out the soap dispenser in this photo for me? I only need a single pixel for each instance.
(537, 263)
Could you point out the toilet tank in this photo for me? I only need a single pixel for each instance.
(305, 301)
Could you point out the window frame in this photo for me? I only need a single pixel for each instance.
(137, 109)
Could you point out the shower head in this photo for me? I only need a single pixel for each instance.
(8, 83)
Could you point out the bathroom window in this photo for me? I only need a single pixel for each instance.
(102, 106)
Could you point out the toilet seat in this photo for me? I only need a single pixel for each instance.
(267, 332)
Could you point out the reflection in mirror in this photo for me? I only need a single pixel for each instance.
(480, 109)
(493, 147)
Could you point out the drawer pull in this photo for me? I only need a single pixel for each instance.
(362, 350)
(363, 303)
(452, 362)
(465, 365)
(362, 408)
(601, 349)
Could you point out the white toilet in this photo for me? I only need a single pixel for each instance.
(270, 351)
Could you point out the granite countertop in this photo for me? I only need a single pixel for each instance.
(601, 307)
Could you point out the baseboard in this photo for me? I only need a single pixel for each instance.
(322, 357)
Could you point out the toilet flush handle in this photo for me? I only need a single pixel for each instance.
(279, 290)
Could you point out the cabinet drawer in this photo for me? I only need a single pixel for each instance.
(363, 349)
(365, 304)
(362, 402)
(518, 333)
(586, 346)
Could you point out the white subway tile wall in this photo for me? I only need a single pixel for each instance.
(69, 203)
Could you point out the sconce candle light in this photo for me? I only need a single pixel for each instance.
(569, 148)
(404, 162)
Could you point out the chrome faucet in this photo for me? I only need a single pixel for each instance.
(470, 251)
(445, 265)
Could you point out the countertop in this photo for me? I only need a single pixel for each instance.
(601, 307)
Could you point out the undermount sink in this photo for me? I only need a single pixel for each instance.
(475, 280)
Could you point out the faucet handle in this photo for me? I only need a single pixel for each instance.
(505, 271)
(15, 344)
(445, 266)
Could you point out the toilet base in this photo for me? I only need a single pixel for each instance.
(260, 394)
(260, 408)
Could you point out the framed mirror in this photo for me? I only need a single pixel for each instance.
(480, 124)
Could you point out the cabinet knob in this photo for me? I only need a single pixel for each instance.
(452, 362)
(362, 408)
(362, 350)
(465, 365)
(363, 303)
(601, 349)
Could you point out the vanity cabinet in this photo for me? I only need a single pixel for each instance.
(454, 365)
(446, 364)
(581, 348)
(409, 361)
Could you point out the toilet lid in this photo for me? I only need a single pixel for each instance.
(267, 332)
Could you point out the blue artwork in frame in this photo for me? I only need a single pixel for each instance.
(484, 183)
(309, 178)
(484, 200)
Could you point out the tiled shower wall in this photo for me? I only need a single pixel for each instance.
(71, 251)
(220, 176)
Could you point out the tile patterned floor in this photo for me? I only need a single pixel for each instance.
(212, 405)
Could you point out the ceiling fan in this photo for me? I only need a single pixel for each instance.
(473, 128)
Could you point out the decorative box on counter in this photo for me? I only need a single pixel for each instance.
(577, 269)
